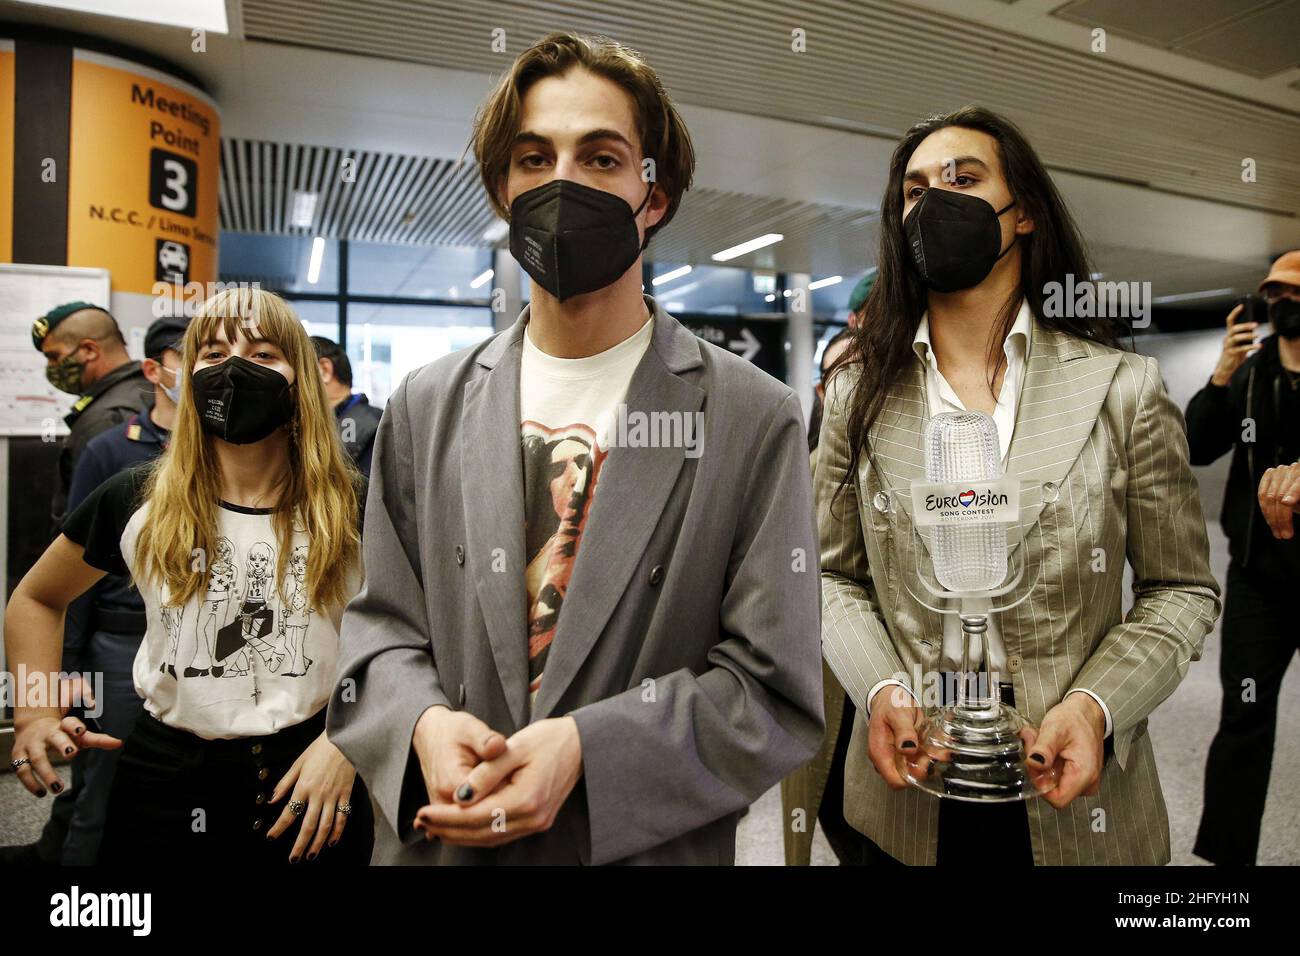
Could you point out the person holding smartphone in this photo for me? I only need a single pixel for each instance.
(243, 540)
(1251, 407)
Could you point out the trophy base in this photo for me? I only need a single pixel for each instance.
(975, 751)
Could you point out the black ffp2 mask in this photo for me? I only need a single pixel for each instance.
(955, 239)
(1284, 316)
(573, 239)
(240, 401)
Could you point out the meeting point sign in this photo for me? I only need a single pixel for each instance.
(143, 175)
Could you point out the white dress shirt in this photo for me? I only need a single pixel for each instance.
(940, 397)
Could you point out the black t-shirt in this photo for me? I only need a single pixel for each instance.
(97, 524)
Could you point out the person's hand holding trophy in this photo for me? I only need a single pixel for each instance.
(970, 743)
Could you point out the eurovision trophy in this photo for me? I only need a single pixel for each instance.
(972, 745)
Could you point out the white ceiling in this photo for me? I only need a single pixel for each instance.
(1146, 143)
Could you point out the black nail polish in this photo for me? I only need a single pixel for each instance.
(293, 859)
(334, 843)
(310, 857)
(79, 731)
(68, 752)
(40, 793)
(466, 792)
(909, 744)
(1038, 758)
(56, 787)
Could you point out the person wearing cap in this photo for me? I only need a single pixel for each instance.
(1255, 383)
(110, 620)
(858, 298)
(85, 355)
(358, 420)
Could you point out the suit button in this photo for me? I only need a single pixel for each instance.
(261, 799)
(1050, 491)
(461, 696)
(1014, 664)
(881, 501)
(257, 749)
(257, 824)
(263, 774)
(460, 555)
(656, 575)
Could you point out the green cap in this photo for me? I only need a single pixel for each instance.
(50, 320)
(860, 291)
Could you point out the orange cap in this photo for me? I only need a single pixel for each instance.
(1285, 269)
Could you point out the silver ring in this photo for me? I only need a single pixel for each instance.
(15, 764)
(343, 808)
(296, 807)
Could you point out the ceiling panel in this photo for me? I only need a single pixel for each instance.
(874, 66)
(1257, 37)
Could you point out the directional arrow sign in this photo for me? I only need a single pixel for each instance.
(747, 346)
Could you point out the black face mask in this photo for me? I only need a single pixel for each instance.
(1284, 315)
(240, 401)
(573, 239)
(955, 239)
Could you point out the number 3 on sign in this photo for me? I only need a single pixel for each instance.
(172, 182)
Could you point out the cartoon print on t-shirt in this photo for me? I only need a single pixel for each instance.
(295, 616)
(255, 620)
(560, 471)
(171, 619)
(222, 578)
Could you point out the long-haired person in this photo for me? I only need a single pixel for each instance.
(962, 316)
(244, 543)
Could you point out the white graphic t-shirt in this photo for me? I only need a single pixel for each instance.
(568, 408)
(244, 657)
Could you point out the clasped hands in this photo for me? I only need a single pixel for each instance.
(486, 790)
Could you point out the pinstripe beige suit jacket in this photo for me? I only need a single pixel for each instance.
(1106, 451)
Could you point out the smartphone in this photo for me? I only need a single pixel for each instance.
(1254, 309)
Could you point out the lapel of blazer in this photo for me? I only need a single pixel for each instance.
(1065, 383)
(631, 492)
(492, 488)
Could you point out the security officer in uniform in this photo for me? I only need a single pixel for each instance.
(358, 420)
(85, 355)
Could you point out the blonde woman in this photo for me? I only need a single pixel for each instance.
(229, 762)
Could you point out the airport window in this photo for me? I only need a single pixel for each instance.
(394, 308)
(708, 290)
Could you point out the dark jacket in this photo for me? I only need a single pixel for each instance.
(358, 421)
(115, 605)
(1216, 423)
(112, 400)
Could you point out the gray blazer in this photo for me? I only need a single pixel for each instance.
(688, 649)
(1107, 452)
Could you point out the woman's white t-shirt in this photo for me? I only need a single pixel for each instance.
(243, 657)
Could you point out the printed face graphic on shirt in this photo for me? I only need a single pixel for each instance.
(561, 470)
(260, 557)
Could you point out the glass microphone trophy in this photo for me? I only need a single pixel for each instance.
(972, 747)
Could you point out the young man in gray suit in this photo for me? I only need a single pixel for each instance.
(591, 626)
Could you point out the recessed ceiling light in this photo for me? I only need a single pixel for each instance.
(670, 275)
(317, 256)
(823, 283)
(747, 247)
(304, 209)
